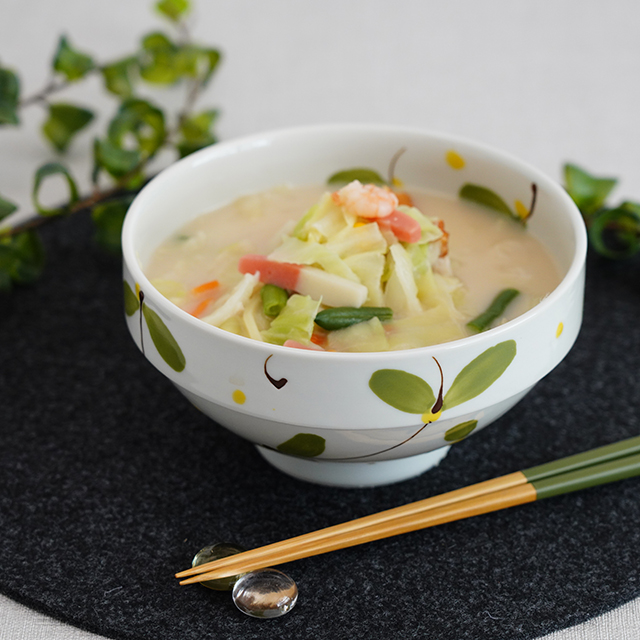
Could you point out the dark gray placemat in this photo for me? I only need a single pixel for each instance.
(110, 482)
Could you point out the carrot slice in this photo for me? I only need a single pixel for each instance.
(319, 338)
(204, 296)
(201, 308)
(204, 287)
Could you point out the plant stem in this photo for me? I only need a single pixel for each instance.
(41, 96)
(37, 220)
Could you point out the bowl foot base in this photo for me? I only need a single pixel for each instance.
(353, 474)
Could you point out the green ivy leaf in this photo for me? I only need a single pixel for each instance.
(480, 373)
(615, 233)
(198, 125)
(487, 198)
(5, 278)
(164, 62)
(30, 257)
(73, 64)
(305, 445)
(46, 171)
(587, 191)
(364, 175)
(187, 61)
(9, 97)
(108, 218)
(160, 63)
(173, 9)
(6, 208)
(165, 343)
(207, 62)
(118, 77)
(141, 121)
(460, 431)
(64, 121)
(6, 261)
(186, 148)
(115, 161)
(197, 132)
(402, 390)
(22, 259)
(131, 301)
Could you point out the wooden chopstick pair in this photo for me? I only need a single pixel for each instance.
(606, 464)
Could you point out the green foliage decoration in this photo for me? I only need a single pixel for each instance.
(46, 171)
(108, 218)
(135, 134)
(614, 231)
(9, 96)
(71, 63)
(64, 121)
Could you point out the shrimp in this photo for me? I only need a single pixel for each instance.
(366, 200)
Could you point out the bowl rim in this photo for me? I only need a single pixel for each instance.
(236, 145)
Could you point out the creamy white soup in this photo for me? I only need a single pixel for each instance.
(355, 269)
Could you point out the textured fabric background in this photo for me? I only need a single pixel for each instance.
(111, 482)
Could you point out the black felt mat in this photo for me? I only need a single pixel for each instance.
(110, 482)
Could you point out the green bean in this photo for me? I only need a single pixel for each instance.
(274, 299)
(494, 310)
(342, 317)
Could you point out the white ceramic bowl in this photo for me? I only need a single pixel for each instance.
(350, 419)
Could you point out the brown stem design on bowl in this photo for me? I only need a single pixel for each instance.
(141, 298)
(534, 197)
(437, 407)
(278, 384)
(436, 410)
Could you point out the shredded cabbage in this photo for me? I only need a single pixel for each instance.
(234, 303)
(369, 268)
(401, 292)
(364, 336)
(312, 253)
(339, 257)
(294, 322)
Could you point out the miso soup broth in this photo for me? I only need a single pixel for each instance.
(432, 286)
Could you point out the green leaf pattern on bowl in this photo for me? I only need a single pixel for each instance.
(402, 390)
(460, 431)
(162, 338)
(480, 374)
(131, 302)
(165, 343)
(305, 445)
(485, 197)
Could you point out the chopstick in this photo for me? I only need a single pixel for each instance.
(599, 466)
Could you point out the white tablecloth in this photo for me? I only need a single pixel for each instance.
(547, 80)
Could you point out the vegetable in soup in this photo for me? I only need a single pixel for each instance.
(358, 269)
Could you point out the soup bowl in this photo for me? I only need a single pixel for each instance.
(352, 419)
